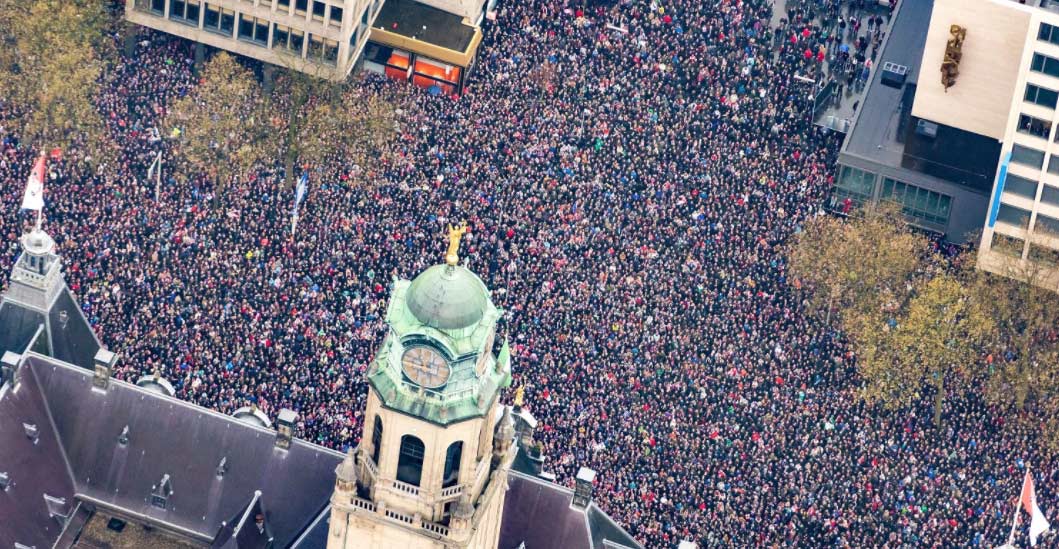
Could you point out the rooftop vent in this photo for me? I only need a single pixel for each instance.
(927, 129)
(222, 467)
(56, 507)
(894, 75)
(285, 427)
(116, 524)
(123, 438)
(103, 366)
(32, 432)
(583, 487)
(160, 492)
(5, 481)
(8, 366)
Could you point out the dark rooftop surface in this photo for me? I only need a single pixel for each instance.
(425, 23)
(19, 324)
(538, 513)
(875, 134)
(885, 130)
(162, 432)
(75, 342)
(315, 536)
(33, 469)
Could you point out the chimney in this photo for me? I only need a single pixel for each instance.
(285, 427)
(104, 366)
(8, 367)
(160, 492)
(583, 487)
(32, 433)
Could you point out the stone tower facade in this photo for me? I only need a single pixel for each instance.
(431, 468)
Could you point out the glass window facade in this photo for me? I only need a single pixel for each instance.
(1050, 195)
(1007, 245)
(1044, 255)
(219, 20)
(1034, 126)
(254, 30)
(1046, 226)
(1020, 186)
(1041, 96)
(1048, 33)
(853, 188)
(1011, 215)
(1022, 154)
(1045, 65)
(185, 11)
(918, 203)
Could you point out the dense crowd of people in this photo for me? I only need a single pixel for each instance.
(629, 214)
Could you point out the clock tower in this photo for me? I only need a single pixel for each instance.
(431, 468)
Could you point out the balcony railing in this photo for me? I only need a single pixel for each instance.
(452, 492)
(404, 487)
(438, 529)
(364, 504)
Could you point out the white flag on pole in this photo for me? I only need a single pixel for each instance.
(34, 197)
(1028, 499)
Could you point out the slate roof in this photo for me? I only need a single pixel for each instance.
(19, 325)
(71, 341)
(538, 513)
(75, 342)
(84, 429)
(33, 469)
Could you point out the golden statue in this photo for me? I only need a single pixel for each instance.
(520, 394)
(455, 233)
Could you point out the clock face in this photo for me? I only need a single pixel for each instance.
(425, 367)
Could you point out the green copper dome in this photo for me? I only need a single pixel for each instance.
(447, 297)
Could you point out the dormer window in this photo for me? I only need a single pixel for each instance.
(160, 492)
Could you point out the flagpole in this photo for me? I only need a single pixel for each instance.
(40, 210)
(1014, 524)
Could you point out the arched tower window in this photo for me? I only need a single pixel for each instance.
(376, 439)
(410, 463)
(452, 464)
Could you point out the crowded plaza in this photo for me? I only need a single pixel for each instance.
(629, 214)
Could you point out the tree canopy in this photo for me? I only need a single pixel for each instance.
(221, 128)
(50, 67)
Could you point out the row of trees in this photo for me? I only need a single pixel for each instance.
(228, 124)
(52, 57)
(917, 320)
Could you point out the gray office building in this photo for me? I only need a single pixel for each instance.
(940, 174)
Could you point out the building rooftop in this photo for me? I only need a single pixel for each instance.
(533, 502)
(79, 456)
(885, 132)
(876, 134)
(425, 23)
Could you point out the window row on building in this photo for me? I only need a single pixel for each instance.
(188, 10)
(1015, 247)
(856, 187)
(254, 30)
